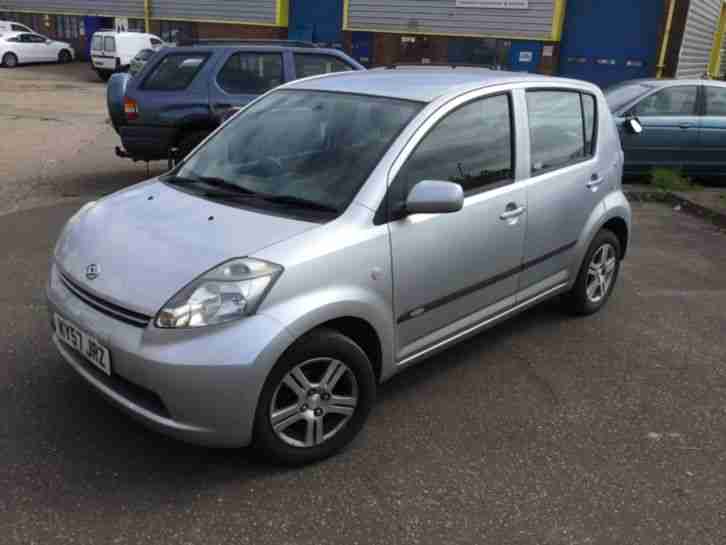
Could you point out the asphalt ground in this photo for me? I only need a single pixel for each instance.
(545, 430)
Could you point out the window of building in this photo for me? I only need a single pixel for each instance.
(673, 101)
(557, 129)
(471, 146)
(68, 27)
(174, 32)
(251, 73)
(716, 101)
(175, 72)
(489, 52)
(312, 65)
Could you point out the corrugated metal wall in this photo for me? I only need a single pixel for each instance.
(250, 11)
(125, 8)
(444, 17)
(698, 37)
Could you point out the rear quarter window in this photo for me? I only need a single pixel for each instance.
(175, 72)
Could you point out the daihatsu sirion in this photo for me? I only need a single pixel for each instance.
(332, 233)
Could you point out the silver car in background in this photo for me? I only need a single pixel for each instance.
(332, 233)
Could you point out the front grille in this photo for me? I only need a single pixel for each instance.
(109, 309)
(138, 395)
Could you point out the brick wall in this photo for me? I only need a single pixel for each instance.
(246, 32)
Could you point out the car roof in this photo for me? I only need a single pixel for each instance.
(421, 84)
(652, 82)
(255, 47)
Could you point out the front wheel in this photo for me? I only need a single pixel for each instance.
(315, 400)
(10, 60)
(64, 57)
(598, 275)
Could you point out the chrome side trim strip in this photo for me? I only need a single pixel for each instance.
(480, 325)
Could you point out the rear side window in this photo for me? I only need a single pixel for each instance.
(559, 133)
(109, 44)
(716, 101)
(156, 42)
(589, 112)
(175, 72)
(19, 28)
(471, 146)
(673, 101)
(312, 65)
(251, 73)
(97, 43)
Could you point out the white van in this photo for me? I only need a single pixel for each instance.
(6, 27)
(113, 51)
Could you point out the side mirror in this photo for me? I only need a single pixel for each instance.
(431, 197)
(633, 125)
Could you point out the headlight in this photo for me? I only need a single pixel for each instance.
(231, 291)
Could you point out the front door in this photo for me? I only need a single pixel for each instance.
(453, 270)
(567, 184)
(671, 128)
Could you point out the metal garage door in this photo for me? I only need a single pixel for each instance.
(608, 41)
(698, 36)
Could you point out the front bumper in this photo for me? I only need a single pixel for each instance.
(201, 386)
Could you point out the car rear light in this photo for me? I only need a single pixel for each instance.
(131, 109)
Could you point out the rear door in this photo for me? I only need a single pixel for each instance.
(25, 48)
(712, 139)
(568, 181)
(671, 127)
(242, 77)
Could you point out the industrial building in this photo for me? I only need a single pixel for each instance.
(604, 41)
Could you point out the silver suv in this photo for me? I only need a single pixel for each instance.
(329, 235)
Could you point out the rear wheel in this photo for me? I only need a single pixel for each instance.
(64, 57)
(105, 75)
(10, 60)
(315, 400)
(598, 275)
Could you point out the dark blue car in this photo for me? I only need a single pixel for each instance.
(184, 93)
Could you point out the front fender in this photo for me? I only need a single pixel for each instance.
(306, 312)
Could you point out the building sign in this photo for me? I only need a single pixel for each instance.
(526, 56)
(501, 4)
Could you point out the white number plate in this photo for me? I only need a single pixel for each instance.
(91, 349)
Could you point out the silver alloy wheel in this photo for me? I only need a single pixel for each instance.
(313, 402)
(600, 273)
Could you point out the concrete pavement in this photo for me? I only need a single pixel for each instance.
(546, 430)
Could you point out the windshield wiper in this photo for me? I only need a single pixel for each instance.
(233, 189)
(298, 201)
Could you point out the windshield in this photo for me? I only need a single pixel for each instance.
(317, 147)
(618, 96)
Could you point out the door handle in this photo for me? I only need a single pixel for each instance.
(512, 211)
(595, 181)
(685, 126)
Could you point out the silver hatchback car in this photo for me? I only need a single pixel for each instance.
(329, 235)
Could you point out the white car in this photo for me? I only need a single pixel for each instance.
(26, 47)
(10, 27)
(113, 51)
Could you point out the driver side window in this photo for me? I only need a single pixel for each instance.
(674, 101)
(471, 146)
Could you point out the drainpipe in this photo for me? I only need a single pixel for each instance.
(666, 39)
(147, 15)
(714, 66)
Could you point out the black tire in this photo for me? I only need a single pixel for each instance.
(104, 75)
(64, 57)
(10, 60)
(323, 344)
(577, 301)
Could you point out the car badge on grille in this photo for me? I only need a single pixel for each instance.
(93, 271)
